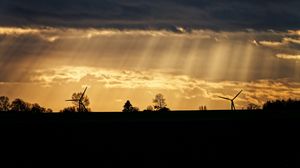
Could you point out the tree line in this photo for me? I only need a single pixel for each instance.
(282, 105)
(159, 105)
(19, 105)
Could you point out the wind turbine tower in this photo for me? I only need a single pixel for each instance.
(231, 100)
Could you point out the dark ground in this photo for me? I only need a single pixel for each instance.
(184, 139)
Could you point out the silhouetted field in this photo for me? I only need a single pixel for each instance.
(200, 138)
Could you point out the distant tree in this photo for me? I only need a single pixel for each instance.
(164, 109)
(36, 108)
(282, 105)
(4, 103)
(149, 109)
(49, 110)
(18, 105)
(129, 108)
(135, 109)
(159, 102)
(69, 110)
(252, 106)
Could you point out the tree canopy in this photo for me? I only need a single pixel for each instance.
(19, 105)
(4, 103)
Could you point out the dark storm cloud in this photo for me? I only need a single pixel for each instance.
(214, 14)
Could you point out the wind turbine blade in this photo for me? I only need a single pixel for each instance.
(224, 98)
(83, 93)
(237, 95)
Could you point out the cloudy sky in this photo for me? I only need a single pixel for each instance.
(191, 51)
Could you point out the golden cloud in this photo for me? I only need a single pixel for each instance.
(271, 43)
(291, 40)
(288, 56)
(190, 61)
(18, 31)
(294, 32)
(257, 91)
(92, 32)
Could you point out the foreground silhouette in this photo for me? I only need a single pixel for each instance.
(177, 139)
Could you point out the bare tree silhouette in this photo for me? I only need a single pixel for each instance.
(160, 103)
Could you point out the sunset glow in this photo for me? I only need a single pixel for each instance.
(189, 68)
(190, 64)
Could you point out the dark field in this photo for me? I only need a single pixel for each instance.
(185, 139)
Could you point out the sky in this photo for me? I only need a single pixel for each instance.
(191, 51)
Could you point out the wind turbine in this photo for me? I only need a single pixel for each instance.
(232, 100)
(80, 104)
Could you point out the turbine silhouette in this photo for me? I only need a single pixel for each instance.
(80, 103)
(232, 100)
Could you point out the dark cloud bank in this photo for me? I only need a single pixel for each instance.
(155, 14)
